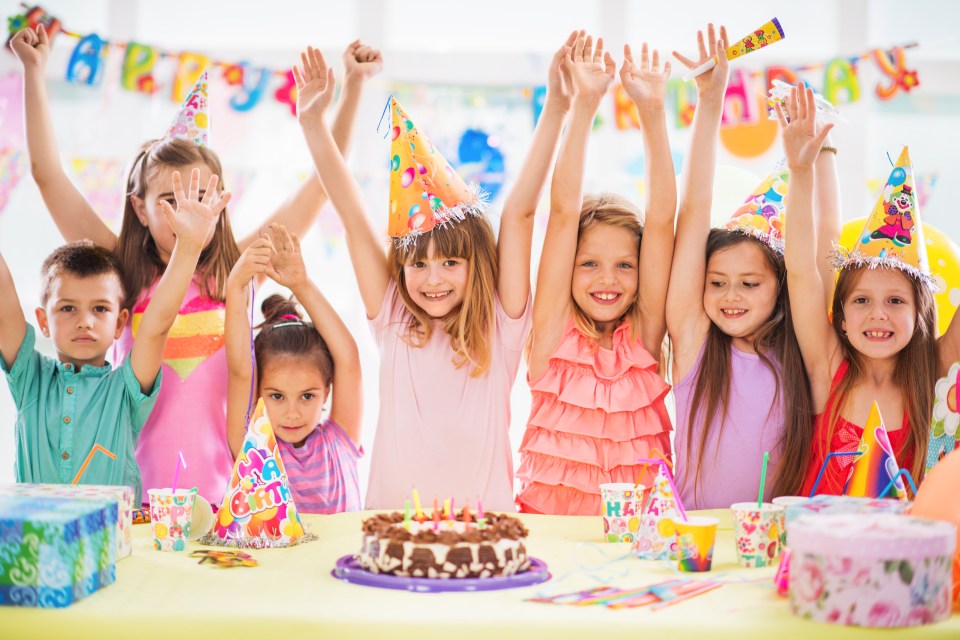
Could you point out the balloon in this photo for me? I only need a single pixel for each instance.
(937, 500)
(944, 257)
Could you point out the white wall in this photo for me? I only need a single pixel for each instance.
(499, 45)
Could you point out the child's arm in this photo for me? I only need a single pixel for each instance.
(687, 321)
(236, 332)
(13, 326)
(287, 269)
(646, 85)
(71, 212)
(300, 211)
(828, 213)
(315, 87)
(818, 341)
(520, 207)
(193, 222)
(592, 71)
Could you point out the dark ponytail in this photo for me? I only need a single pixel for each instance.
(284, 333)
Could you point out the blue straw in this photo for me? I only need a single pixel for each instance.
(823, 467)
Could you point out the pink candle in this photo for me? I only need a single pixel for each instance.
(479, 508)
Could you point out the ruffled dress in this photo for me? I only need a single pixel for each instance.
(594, 412)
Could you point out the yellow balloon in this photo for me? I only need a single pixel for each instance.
(944, 257)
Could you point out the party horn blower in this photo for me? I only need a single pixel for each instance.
(757, 39)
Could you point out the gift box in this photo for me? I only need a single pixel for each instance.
(824, 504)
(55, 551)
(123, 495)
(871, 570)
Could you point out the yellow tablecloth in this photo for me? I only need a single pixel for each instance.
(292, 595)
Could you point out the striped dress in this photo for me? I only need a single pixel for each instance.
(323, 472)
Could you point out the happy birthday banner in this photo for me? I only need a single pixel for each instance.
(89, 56)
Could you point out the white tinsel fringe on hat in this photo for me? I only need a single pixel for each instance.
(844, 258)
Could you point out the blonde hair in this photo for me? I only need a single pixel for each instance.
(915, 371)
(470, 325)
(615, 211)
(136, 247)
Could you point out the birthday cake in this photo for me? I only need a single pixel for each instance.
(451, 548)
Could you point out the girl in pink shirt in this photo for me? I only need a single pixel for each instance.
(448, 305)
(597, 397)
(296, 364)
(190, 411)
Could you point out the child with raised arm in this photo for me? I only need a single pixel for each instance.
(297, 363)
(190, 411)
(598, 316)
(448, 304)
(880, 344)
(740, 385)
(70, 406)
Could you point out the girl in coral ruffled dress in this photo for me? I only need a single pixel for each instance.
(597, 397)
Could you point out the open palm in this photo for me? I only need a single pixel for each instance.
(591, 68)
(645, 83)
(195, 218)
(315, 84)
(286, 263)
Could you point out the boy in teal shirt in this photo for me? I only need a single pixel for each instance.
(76, 409)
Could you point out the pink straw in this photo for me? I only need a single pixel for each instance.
(176, 472)
(666, 472)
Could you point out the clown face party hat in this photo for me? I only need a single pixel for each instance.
(893, 235)
(193, 120)
(257, 509)
(425, 191)
(763, 214)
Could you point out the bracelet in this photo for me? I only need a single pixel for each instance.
(828, 149)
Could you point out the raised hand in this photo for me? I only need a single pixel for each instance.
(361, 62)
(646, 83)
(801, 139)
(31, 47)
(559, 81)
(713, 82)
(254, 261)
(286, 263)
(591, 68)
(194, 219)
(315, 85)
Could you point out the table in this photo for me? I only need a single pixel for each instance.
(292, 595)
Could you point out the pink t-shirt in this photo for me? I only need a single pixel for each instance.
(191, 410)
(323, 472)
(440, 430)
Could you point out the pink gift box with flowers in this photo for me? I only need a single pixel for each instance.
(871, 570)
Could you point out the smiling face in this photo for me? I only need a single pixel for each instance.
(293, 390)
(740, 292)
(159, 189)
(83, 317)
(879, 312)
(605, 274)
(435, 283)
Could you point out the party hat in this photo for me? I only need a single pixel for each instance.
(425, 191)
(762, 215)
(893, 235)
(651, 543)
(257, 509)
(876, 465)
(193, 121)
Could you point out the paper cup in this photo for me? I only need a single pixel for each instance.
(177, 517)
(621, 505)
(759, 533)
(695, 539)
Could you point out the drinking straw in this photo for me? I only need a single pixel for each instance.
(906, 474)
(90, 455)
(763, 478)
(181, 462)
(687, 596)
(654, 453)
(666, 472)
(823, 467)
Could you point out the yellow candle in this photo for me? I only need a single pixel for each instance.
(446, 508)
(416, 503)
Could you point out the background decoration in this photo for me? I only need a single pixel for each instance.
(100, 180)
(480, 161)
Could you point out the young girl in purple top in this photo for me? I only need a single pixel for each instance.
(297, 364)
(740, 384)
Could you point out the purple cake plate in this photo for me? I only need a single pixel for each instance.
(349, 570)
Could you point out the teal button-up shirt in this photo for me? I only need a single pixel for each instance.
(62, 414)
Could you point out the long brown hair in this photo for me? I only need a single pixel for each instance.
(284, 333)
(136, 248)
(615, 211)
(915, 371)
(776, 345)
(470, 325)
